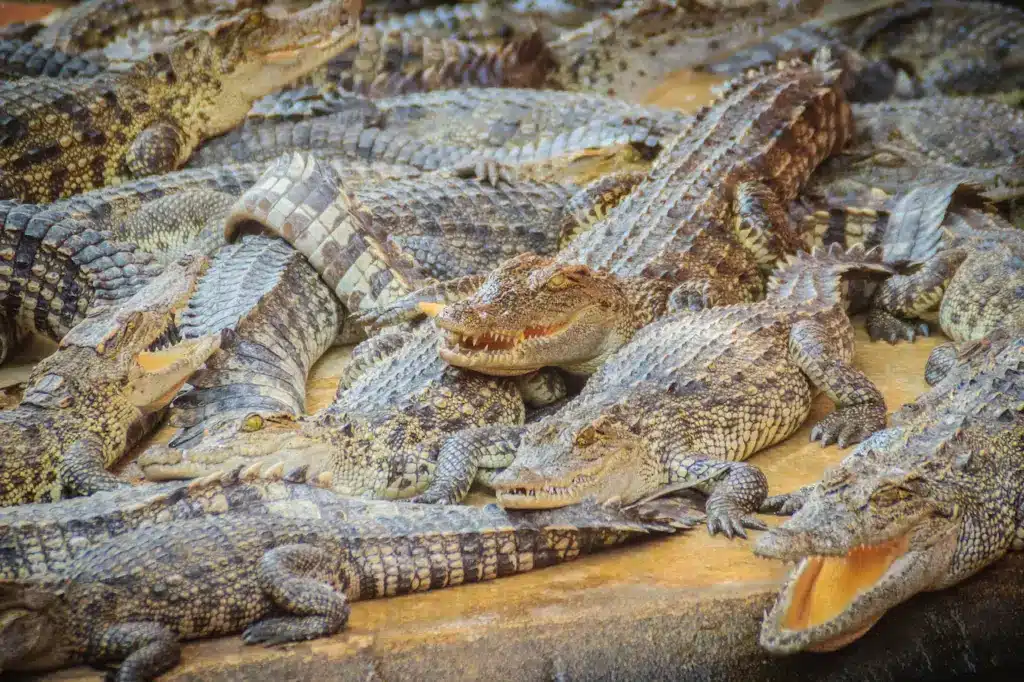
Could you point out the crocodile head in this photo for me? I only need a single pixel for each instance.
(31, 632)
(559, 463)
(237, 58)
(104, 387)
(879, 529)
(132, 348)
(532, 312)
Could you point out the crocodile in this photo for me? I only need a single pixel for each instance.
(23, 58)
(917, 507)
(624, 52)
(693, 395)
(478, 22)
(283, 318)
(100, 392)
(948, 47)
(277, 579)
(58, 260)
(93, 24)
(39, 540)
(974, 275)
(449, 227)
(398, 404)
(391, 63)
(900, 144)
(696, 232)
(64, 136)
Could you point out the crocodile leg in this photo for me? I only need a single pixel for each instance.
(424, 301)
(941, 360)
(190, 220)
(84, 471)
(592, 203)
(156, 150)
(145, 650)
(905, 297)
(860, 407)
(462, 456)
(298, 578)
(543, 387)
(735, 490)
(762, 224)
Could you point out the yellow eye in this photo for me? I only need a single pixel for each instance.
(558, 281)
(252, 422)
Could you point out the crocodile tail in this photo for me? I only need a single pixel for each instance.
(817, 276)
(302, 200)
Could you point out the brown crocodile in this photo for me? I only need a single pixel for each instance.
(920, 506)
(100, 392)
(277, 579)
(697, 231)
(63, 136)
(694, 394)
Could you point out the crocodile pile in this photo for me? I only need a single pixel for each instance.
(556, 291)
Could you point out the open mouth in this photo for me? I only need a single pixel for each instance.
(550, 496)
(465, 348)
(822, 588)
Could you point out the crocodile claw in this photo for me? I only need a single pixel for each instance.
(882, 324)
(786, 504)
(486, 170)
(849, 425)
(733, 524)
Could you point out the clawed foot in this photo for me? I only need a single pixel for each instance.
(405, 309)
(786, 504)
(433, 497)
(676, 512)
(884, 325)
(486, 170)
(733, 522)
(277, 631)
(849, 425)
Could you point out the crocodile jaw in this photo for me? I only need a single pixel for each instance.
(157, 375)
(829, 601)
(572, 341)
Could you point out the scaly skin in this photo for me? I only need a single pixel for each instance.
(20, 59)
(100, 392)
(278, 579)
(398, 62)
(38, 540)
(94, 24)
(628, 51)
(59, 260)
(478, 22)
(695, 394)
(974, 275)
(148, 120)
(283, 318)
(902, 144)
(399, 405)
(949, 47)
(708, 218)
(920, 506)
(448, 226)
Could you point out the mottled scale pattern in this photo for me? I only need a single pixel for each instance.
(52, 269)
(283, 317)
(469, 21)
(56, 259)
(27, 59)
(540, 123)
(449, 227)
(774, 126)
(900, 144)
(399, 61)
(331, 136)
(293, 574)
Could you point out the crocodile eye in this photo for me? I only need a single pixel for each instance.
(252, 422)
(558, 281)
(586, 437)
